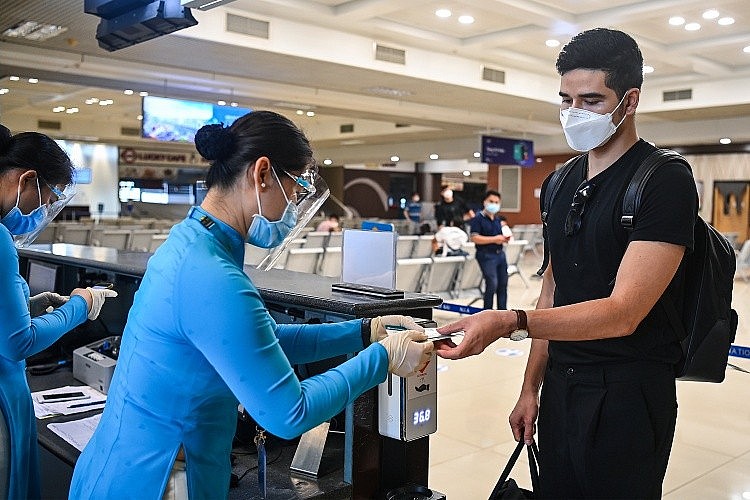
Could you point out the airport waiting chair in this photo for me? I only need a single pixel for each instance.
(316, 239)
(140, 239)
(156, 241)
(405, 246)
(48, 234)
(335, 239)
(411, 274)
(422, 247)
(444, 274)
(76, 234)
(254, 255)
(513, 255)
(330, 262)
(471, 281)
(115, 238)
(303, 260)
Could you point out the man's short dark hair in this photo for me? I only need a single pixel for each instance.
(611, 51)
(492, 193)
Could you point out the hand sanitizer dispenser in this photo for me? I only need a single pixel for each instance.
(407, 407)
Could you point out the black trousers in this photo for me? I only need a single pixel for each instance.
(606, 431)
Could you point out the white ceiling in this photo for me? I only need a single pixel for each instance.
(320, 56)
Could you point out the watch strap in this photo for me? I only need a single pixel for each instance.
(521, 320)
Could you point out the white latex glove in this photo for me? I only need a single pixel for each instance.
(405, 356)
(97, 300)
(45, 302)
(378, 324)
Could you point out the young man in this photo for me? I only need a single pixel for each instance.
(602, 350)
(490, 232)
(413, 212)
(449, 207)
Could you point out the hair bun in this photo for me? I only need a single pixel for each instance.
(214, 141)
(5, 137)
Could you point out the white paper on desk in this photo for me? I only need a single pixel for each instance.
(47, 409)
(78, 432)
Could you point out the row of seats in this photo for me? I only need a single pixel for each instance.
(134, 237)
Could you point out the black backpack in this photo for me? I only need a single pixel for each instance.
(708, 324)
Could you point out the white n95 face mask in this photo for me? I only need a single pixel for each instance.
(585, 130)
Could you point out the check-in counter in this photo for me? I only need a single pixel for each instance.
(368, 464)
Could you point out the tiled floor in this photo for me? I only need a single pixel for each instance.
(711, 453)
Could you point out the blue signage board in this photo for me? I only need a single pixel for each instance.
(505, 151)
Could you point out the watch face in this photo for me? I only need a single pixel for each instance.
(519, 335)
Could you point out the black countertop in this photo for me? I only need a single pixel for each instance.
(302, 290)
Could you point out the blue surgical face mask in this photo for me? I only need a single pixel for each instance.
(19, 223)
(492, 208)
(266, 234)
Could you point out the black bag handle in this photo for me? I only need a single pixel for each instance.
(533, 469)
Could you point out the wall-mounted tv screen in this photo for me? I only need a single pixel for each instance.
(82, 175)
(176, 120)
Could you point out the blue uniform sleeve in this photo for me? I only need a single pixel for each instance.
(22, 336)
(304, 343)
(221, 313)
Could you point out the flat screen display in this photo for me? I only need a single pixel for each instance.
(176, 120)
(82, 175)
(42, 277)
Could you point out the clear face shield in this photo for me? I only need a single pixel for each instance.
(62, 197)
(312, 193)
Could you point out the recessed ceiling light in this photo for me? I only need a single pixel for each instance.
(33, 80)
(539, 159)
(434, 156)
(33, 30)
(477, 154)
(221, 102)
(726, 21)
(692, 26)
(746, 50)
(676, 21)
(300, 112)
(70, 111)
(443, 13)
(466, 173)
(388, 91)
(711, 14)
(103, 103)
(139, 117)
(395, 158)
(89, 101)
(233, 104)
(310, 113)
(328, 161)
(552, 43)
(466, 19)
(127, 92)
(58, 109)
(4, 91)
(725, 140)
(143, 93)
(647, 69)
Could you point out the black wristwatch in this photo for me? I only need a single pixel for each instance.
(522, 330)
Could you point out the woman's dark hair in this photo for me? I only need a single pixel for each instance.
(611, 51)
(34, 151)
(259, 133)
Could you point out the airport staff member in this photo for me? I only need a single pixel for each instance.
(199, 338)
(602, 352)
(34, 173)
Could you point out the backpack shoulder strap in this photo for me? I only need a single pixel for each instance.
(553, 186)
(632, 199)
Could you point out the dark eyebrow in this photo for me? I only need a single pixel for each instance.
(590, 95)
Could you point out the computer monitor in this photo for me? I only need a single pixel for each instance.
(42, 277)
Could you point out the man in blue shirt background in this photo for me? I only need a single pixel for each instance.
(489, 232)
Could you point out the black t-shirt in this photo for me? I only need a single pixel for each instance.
(446, 212)
(585, 264)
